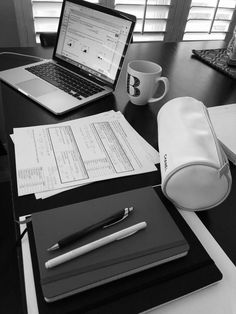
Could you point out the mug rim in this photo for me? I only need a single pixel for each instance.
(145, 62)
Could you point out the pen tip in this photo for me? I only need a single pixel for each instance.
(131, 208)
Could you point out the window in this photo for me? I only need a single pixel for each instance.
(209, 19)
(152, 17)
(46, 15)
(157, 20)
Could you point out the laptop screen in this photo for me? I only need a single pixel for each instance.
(92, 40)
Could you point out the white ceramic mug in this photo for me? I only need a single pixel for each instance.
(143, 79)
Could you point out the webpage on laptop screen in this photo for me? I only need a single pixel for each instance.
(92, 40)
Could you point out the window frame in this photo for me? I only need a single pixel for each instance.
(177, 13)
(232, 25)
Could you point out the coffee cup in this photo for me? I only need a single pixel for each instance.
(143, 78)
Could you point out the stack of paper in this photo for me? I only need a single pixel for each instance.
(54, 158)
(223, 119)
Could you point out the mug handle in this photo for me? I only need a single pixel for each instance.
(166, 83)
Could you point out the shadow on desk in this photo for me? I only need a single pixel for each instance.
(10, 297)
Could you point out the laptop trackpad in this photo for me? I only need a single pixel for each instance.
(36, 87)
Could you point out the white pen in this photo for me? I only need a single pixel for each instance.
(95, 245)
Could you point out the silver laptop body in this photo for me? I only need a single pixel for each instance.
(91, 44)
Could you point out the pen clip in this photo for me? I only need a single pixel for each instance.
(127, 210)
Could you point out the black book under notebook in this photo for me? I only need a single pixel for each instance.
(159, 242)
(134, 291)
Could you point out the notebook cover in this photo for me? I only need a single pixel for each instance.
(142, 290)
(160, 241)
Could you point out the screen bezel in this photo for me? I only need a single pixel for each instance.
(106, 10)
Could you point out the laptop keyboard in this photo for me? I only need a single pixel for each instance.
(72, 84)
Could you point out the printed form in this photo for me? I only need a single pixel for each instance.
(69, 154)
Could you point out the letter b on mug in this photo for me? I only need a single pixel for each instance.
(143, 78)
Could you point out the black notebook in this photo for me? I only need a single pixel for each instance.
(140, 291)
(161, 241)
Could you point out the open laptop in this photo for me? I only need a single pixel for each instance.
(90, 48)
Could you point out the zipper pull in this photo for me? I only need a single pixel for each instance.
(224, 169)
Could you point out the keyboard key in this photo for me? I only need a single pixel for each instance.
(74, 85)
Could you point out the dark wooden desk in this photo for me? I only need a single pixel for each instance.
(187, 76)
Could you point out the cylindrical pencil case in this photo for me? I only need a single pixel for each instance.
(194, 168)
